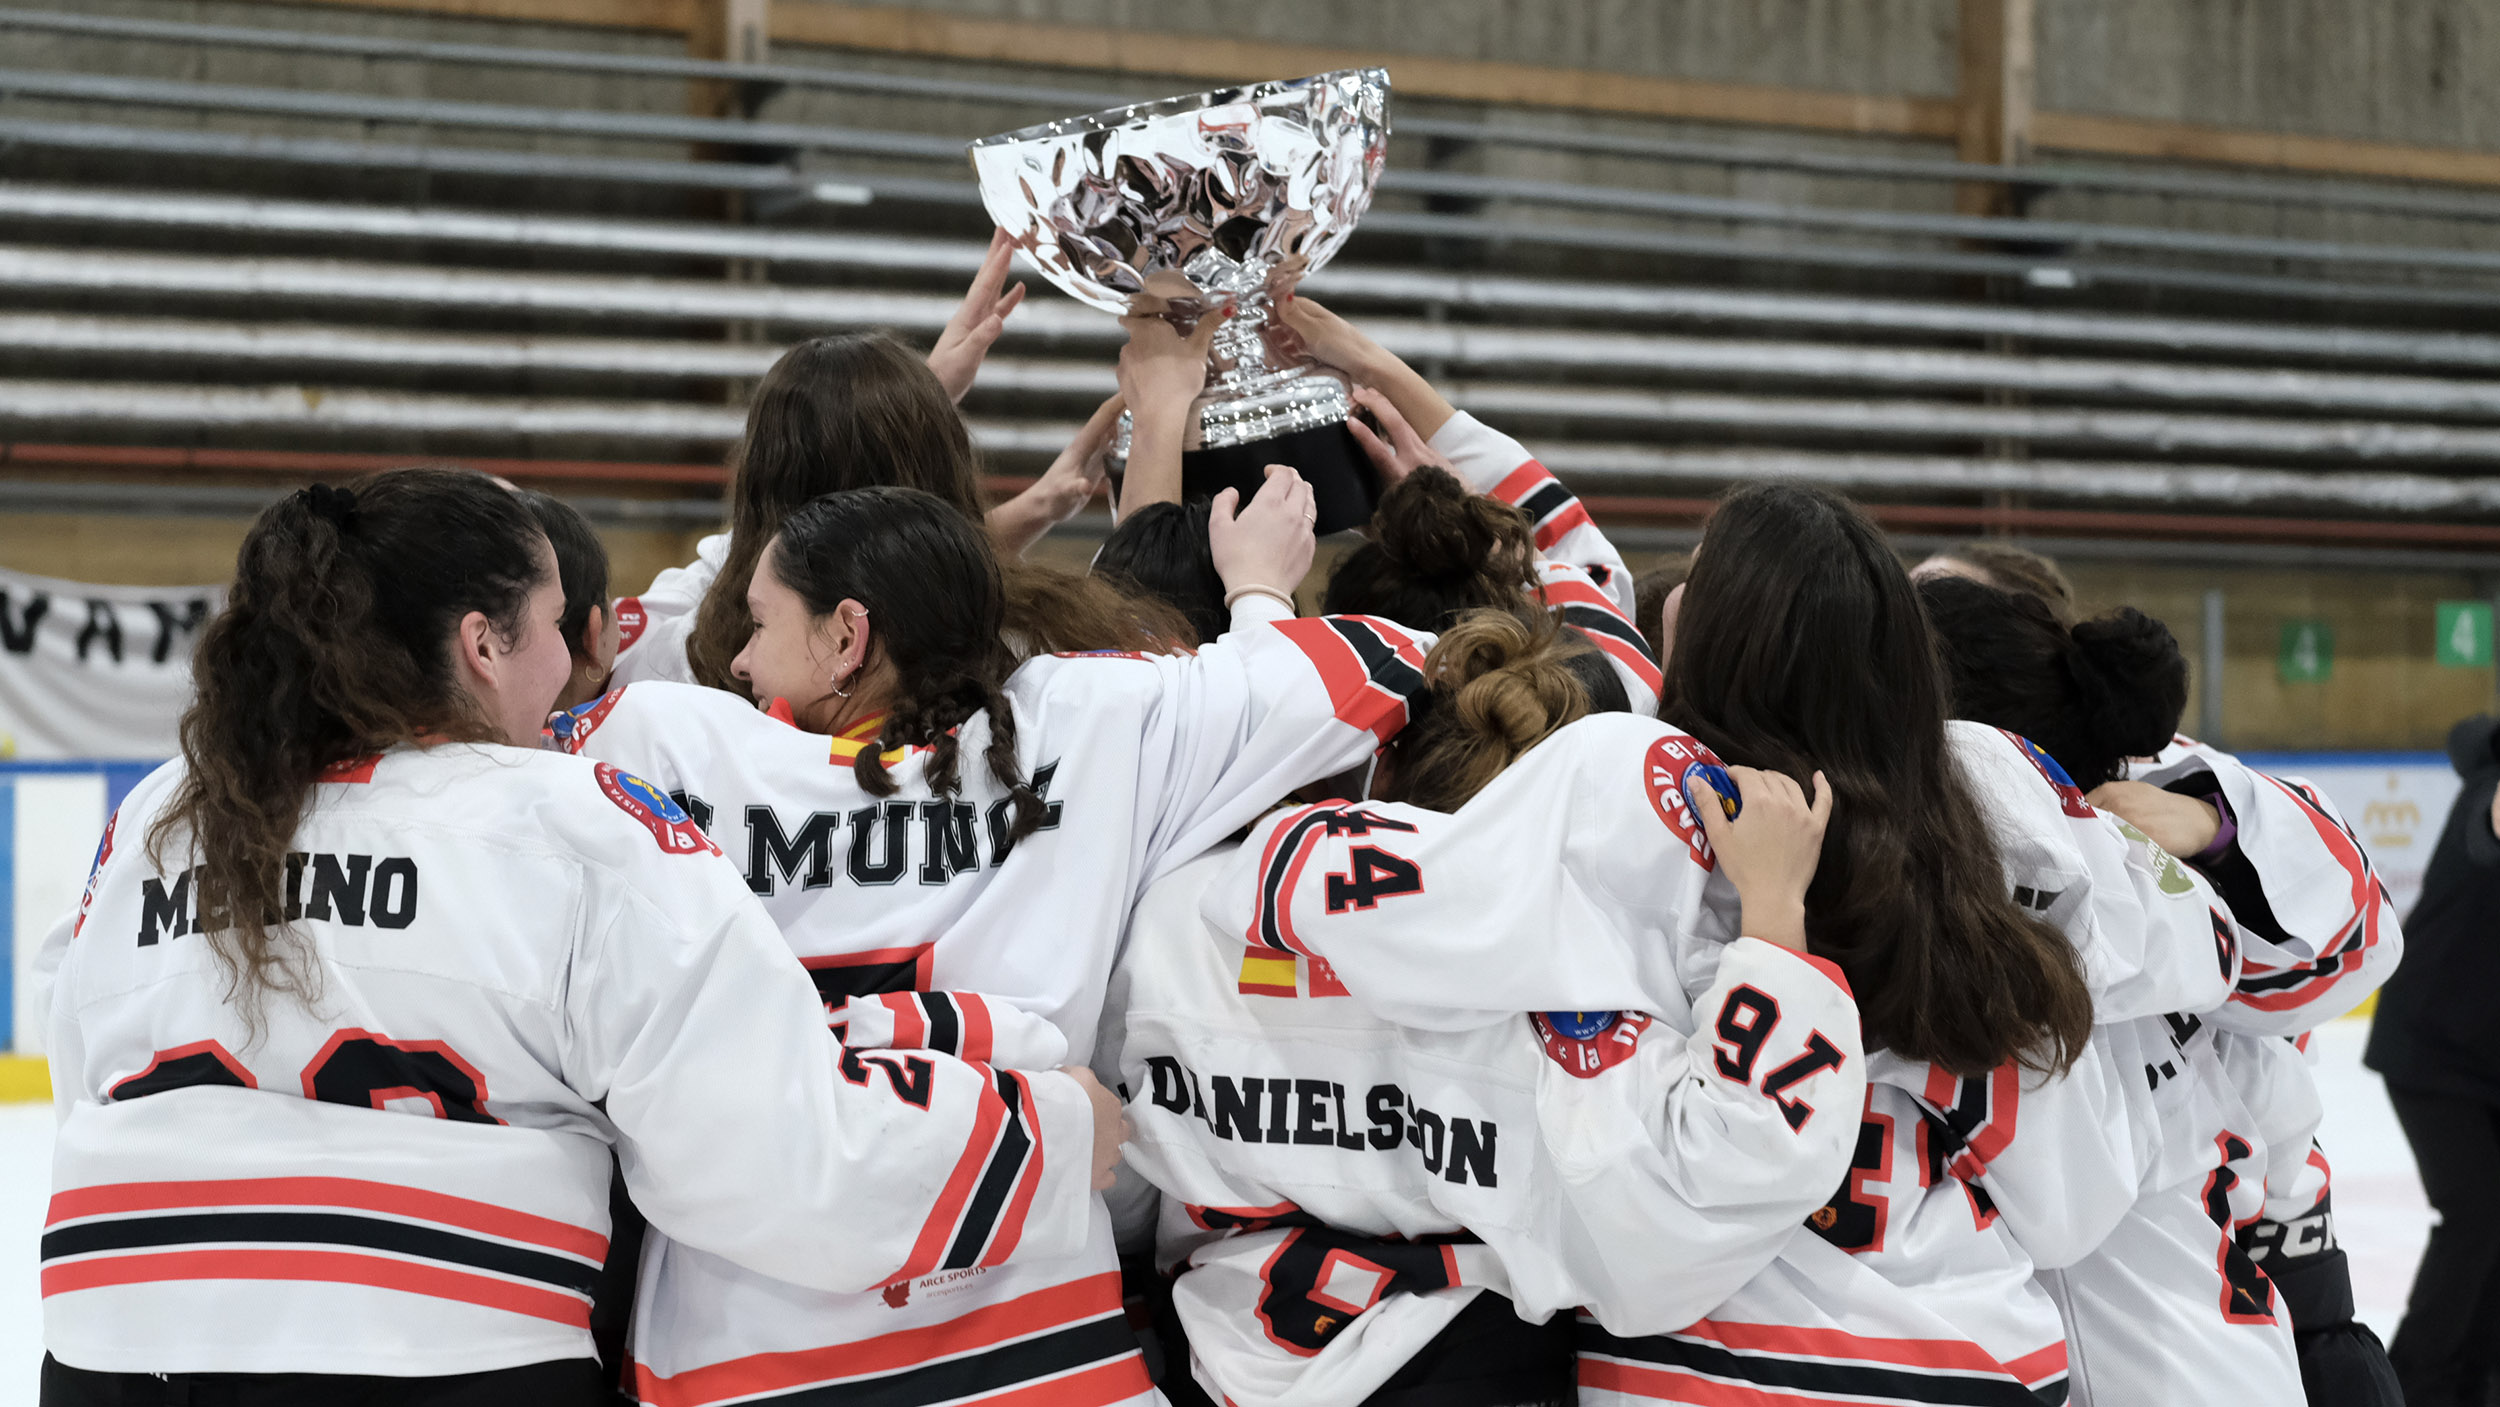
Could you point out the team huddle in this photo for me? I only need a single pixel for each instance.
(869, 967)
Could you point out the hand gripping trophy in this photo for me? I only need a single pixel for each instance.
(1216, 200)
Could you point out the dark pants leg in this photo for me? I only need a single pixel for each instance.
(571, 1383)
(2444, 1347)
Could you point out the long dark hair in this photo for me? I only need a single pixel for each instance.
(835, 413)
(936, 607)
(581, 564)
(1437, 550)
(2092, 694)
(1162, 553)
(335, 643)
(1801, 646)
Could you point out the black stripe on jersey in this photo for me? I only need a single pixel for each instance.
(1272, 895)
(1379, 658)
(1858, 1382)
(2326, 966)
(998, 1181)
(945, 1024)
(1065, 1350)
(1549, 499)
(1592, 618)
(321, 1228)
(839, 982)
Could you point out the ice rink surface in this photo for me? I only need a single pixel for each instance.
(2380, 1213)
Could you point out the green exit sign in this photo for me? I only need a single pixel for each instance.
(2463, 639)
(2308, 653)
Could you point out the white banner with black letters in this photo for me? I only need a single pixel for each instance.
(96, 671)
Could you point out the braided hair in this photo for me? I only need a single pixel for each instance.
(933, 591)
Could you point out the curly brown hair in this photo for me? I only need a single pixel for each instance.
(334, 644)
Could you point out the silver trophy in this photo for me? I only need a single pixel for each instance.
(1190, 204)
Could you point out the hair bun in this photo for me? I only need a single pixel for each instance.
(2133, 680)
(336, 506)
(1434, 528)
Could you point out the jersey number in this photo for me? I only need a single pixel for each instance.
(2247, 1295)
(1746, 1020)
(912, 1076)
(354, 1067)
(1376, 875)
(1319, 1279)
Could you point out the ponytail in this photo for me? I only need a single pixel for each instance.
(334, 644)
(935, 594)
(1500, 682)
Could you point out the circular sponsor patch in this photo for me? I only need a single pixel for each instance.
(1731, 802)
(1662, 771)
(1580, 1025)
(631, 618)
(1585, 1043)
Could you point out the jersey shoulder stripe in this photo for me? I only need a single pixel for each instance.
(1554, 510)
(1373, 670)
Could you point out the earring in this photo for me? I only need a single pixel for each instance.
(593, 674)
(837, 687)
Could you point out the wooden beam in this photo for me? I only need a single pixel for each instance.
(2229, 146)
(894, 29)
(678, 15)
(1996, 97)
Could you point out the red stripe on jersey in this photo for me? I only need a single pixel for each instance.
(2364, 895)
(1683, 1386)
(986, 1327)
(1522, 481)
(940, 1227)
(1571, 519)
(1958, 1355)
(1353, 695)
(1010, 1228)
(329, 1267)
(1267, 866)
(979, 1033)
(482, 1217)
(2038, 1367)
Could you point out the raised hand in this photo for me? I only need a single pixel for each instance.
(1770, 850)
(978, 322)
(1066, 486)
(1402, 450)
(1266, 545)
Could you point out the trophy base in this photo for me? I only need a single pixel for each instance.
(1344, 486)
(1270, 406)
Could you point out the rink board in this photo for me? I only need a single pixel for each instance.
(52, 814)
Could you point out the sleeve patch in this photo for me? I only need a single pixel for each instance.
(631, 620)
(655, 811)
(570, 728)
(2069, 796)
(1663, 773)
(1586, 1043)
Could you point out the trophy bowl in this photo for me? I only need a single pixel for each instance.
(1217, 200)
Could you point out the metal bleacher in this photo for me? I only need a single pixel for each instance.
(244, 269)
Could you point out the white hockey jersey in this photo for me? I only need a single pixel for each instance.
(652, 628)
(2173, 1304)
(1340, 1187)
(1578, 568)
(2320, 930)
(522, 961)
(1142, 761)
(1541, 852)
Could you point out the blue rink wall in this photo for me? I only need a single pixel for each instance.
(52, 814)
